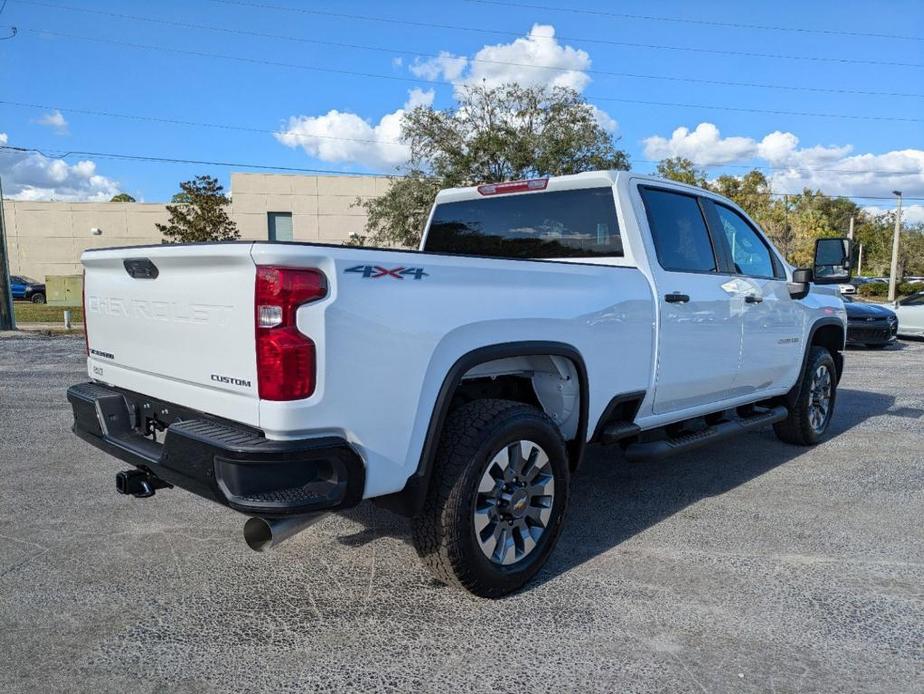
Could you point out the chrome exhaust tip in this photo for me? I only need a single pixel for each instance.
(262, 534)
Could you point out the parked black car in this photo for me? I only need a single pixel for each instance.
(869, 324)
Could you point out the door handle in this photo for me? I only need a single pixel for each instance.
(753, 299)
(675, 298)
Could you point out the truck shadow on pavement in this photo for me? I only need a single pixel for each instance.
(613, 500)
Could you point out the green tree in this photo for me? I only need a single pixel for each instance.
(493, 134)
(202, 214)
(682, 170)
(122, 197)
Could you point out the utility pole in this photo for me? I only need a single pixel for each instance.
(893, 271)
(7, 319)
(860, 262)
(850, 230)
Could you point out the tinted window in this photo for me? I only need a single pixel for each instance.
(748, 251)
(280, 226)
(679, 231)
(561, 224)
(913, 300)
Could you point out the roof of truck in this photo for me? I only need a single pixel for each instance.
(587, 179)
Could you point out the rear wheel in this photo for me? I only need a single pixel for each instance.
(38, 298)
(810, 416)
(496, 500)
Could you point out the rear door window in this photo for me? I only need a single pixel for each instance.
(558, 224)
(679, 231)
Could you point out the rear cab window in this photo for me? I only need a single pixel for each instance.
(579, 223)
(678, 229)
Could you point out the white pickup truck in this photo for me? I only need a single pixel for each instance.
(458, 384)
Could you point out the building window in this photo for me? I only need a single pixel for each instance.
(279, 225)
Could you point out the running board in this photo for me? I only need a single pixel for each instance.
(653, 450)
(618, 431)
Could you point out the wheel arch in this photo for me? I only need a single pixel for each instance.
(829, 333)
(410, 499)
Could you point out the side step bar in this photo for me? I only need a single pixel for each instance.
(618, 431)
(652, 450)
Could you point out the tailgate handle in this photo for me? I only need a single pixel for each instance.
(141, 268)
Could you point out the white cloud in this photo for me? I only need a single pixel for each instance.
(32, 176)
(55, 121)
(517, 61)
(562, 66)
(832, 169)
(704, 146)
(605, 120)
(346, 137)
(491, 66)
(911, 214)
(445, 66)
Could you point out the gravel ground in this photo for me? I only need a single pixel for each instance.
(751, 566)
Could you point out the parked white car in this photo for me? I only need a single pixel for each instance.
(458, 384)
(846, 288)
(910, 312)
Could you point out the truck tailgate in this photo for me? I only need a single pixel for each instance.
(175, 323)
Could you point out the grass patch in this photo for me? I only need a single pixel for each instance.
(27, 312)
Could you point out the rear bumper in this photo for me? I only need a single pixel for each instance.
(230, 464)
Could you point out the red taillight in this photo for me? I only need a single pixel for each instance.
(513, 186)
(286, 363)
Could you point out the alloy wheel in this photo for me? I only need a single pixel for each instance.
(514, 502)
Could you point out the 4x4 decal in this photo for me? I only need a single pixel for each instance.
(398, 273)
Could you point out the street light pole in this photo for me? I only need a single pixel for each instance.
(893, 271)
(7, 319)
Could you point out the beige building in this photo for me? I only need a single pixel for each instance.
(47, 238)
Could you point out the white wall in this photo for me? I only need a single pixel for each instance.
(47, 238)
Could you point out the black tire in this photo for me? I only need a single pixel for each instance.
(38, 298)
(797, 428)
(444, 532)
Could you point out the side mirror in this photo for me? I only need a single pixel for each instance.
(801, 283)
(832, 261)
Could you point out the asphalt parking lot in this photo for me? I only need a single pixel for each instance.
(752, 566)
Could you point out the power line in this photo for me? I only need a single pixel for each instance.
(177, 160)
(267, 131)
(240, 165)
(183, 122)
(367, 75)
(610, 42)
(703, 22)
(404, 51)
(742, 109)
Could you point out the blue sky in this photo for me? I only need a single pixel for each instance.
(318, 118)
